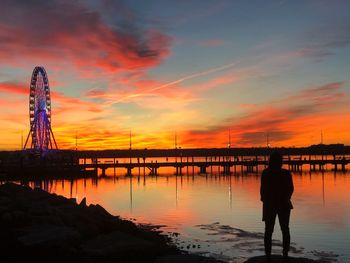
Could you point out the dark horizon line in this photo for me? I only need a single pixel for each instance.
(336, 145)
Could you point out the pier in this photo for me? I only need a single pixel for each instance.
(225, 167)
(225, 161)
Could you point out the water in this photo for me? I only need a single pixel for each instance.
(221, 215)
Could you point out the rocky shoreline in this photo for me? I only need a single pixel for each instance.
(37, 226)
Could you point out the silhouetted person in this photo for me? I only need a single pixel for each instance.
(276, 191)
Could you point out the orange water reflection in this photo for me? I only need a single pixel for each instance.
(320, 219)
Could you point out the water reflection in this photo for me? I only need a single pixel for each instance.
(323, 192)
(320, 220)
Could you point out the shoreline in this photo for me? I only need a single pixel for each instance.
(36, 225)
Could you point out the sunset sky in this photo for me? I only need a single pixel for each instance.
(195, 68)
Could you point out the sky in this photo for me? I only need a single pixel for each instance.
(205, 71)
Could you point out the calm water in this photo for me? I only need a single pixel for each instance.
(221, 215)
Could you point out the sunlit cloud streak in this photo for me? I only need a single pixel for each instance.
(116, 99)
(195, 75)
(58, 97)
(13, 88)
(294, 123)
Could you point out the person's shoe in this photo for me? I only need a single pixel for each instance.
(285, 256)
(268, 258)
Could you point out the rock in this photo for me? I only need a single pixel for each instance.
(112, 243)
(83, 202)
(46, 219)
(48, 236)
(279, 259)
(37, 225)
(38, 209)
(19, 215)
(185, 259)
(6, 217)
(4, 200)
(121, 247)
(4, 209)
(8, 189)
(99, 210)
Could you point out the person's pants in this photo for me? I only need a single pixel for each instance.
(283, 218)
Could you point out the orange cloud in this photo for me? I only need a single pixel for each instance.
(14, 88)
(295, 119)
(58, 97)
(297, 122)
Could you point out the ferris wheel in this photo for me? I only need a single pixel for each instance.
(40, 112)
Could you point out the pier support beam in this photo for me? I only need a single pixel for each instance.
(154, 171)
(128, 172)
(202, 169)
(227, 169)
(178, 170)
(312, 167)
(320, 167)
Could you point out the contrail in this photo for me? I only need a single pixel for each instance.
(198, 74)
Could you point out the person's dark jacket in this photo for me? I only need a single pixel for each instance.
(276, 189)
